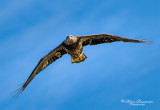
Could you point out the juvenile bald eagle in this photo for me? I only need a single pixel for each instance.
(73, 45)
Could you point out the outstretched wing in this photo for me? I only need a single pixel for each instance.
(43, 63)
(105, 38)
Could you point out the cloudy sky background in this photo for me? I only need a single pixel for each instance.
(29, 29)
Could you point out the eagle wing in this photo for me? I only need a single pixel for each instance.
(43, 63)
(105, 38)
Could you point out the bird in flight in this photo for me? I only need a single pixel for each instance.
(73, 45)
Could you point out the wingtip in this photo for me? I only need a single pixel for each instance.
(17, 92)
(147, 42)
(143, 41)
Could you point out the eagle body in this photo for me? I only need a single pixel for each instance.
(74, 48)
(73, 45)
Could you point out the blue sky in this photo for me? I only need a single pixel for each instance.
(29, 29)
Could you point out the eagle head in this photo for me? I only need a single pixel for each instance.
(70, 40)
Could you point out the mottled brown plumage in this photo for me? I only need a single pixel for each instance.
(73, 45)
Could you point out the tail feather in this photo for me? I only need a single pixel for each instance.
(79, 59)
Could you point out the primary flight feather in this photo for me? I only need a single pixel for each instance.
(73, 45)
